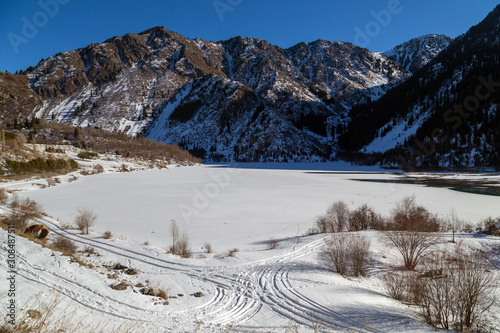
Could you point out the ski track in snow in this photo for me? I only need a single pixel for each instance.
(241, 291)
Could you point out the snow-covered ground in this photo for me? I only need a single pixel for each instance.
(239, 206)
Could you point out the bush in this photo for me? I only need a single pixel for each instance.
(3, 196)
(107, 235)
(336, 218)
(23, 212)
(363, 218)
(64, 244)
(183, 247)
(232, 252)
(408, 216)
(39, 165)
(272, 244)
(412, 245)
(347, 250)
(98, 168)
(87, 155)
(456, 291)
(208, 247)
(85, 219)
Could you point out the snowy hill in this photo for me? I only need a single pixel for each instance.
(418, 52)
(445, 115)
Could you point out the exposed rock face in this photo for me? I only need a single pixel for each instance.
(242, 99)
(418, 52)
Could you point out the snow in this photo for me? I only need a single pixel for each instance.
(229, 206)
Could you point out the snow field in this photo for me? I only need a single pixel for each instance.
(257, 289)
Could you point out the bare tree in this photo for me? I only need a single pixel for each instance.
(407, 215)
(454, 223)
(174, 232)
(411, 244)
(85, 219)
(363, 217)
(337, 217)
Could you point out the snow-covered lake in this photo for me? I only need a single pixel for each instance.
(240, 206)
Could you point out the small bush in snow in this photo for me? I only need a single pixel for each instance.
(107, 235)
(346, 251)
(64, 244)
(208, 247)
(85, 219)
(98, 168)
(272, 244)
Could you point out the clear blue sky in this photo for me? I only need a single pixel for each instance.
(77, 23)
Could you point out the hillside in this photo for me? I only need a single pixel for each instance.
(246, 91)
(445, 115)
(418, 52)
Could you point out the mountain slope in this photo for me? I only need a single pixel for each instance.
(282, 96)
(446, 114)
(418, 52)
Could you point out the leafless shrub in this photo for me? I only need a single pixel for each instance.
(412, 245)
(183, 247)
(395, 283)
(64, 244)
(454, 223)
(23, 212)
(174, 233)
(51, 181)
(489, 225)
(3, 196)
(337, 251)
(208, 247)
(232, 252)
(336, 219)
(72, 178)
(360, 251)
(98, 168)
(124, 168)
(409, 216)
(363, 217)
(85, 219)
(455, 291)
(180, 242)
(107, 235)
(272, 243)
(347, 251)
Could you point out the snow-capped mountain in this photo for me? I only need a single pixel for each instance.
(446, 115)
(418, 52)
(242, 98)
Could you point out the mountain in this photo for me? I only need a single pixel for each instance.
(446, 115)
(242, 98)
(418, 52)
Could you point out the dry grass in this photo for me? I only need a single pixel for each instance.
(64, 245)
(56, 318)
(208, 247)
(107, 235)
(232, 252)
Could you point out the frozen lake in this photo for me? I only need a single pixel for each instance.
(240, 206)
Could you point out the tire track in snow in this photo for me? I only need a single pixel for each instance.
(239, 294)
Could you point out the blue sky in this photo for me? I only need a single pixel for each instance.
(33, 29)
